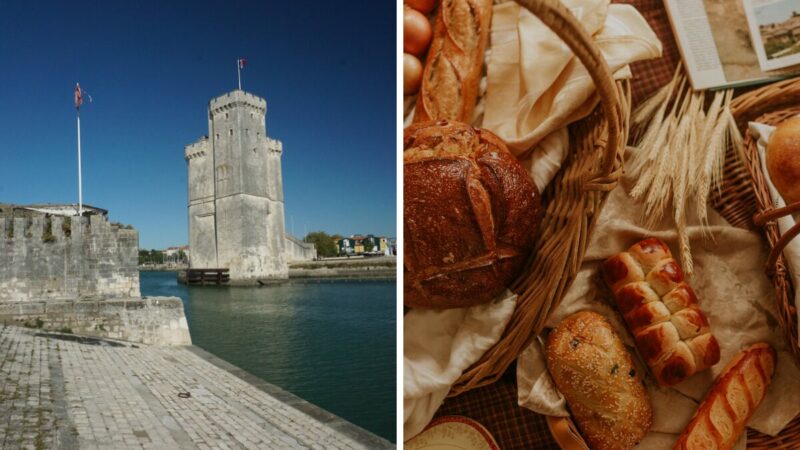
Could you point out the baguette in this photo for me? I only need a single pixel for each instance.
(670, 330)
(592, 368)
(453, 67)
(732, 400)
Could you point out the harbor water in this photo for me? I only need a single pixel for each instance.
(330, 343)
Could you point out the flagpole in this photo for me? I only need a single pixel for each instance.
(239, 72)
(80, 181)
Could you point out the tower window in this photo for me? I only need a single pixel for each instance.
(230, 131)
(251, 115)
(247, 131)
(226, 115)
(217, 137)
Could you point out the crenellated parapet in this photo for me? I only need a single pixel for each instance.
(274, 146)
(50, 257)
(234, 99)
(198, 149)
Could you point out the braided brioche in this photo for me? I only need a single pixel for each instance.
(732, 400)
(671, 332)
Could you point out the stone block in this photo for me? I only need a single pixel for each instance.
(135, 304)
(86, 308)
(31, 308)
(59, 308)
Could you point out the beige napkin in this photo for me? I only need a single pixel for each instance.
(438, 346)
(791, 252)
(733, 291)
(535, 85)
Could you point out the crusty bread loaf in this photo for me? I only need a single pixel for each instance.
(455, 60)
(592, 368)
(732, 400)
(783, 159)
(671, 332)
(470, 214)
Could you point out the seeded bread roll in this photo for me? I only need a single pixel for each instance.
(470, 215)
(453, 68)
(661, 311)
(592, 368)
(732, 400)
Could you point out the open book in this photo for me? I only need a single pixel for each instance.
(728, 43)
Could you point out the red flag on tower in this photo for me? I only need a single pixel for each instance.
(242, 63)
(78, 96)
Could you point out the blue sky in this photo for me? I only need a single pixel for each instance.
(326, 69)
(776, 12)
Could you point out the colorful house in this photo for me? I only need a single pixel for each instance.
(358, 244)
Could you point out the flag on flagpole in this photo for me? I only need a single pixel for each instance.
(242, 63)
(79, 96)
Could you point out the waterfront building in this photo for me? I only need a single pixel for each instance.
(355, 244)
(236, 209)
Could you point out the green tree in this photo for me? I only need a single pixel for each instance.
(323, 241)
(156, 257)
(368, 245)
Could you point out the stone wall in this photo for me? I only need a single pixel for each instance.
(153, 320)
(297, 250)
(58, 258)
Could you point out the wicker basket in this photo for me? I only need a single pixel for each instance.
(571, 202)
(745, 202)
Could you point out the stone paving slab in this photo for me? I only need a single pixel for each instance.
(63, 391)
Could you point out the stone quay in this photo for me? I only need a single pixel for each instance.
(87, 363)
(62, 391)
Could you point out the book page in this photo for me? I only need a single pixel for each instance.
(696, 42)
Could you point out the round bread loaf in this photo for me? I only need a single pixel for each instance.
(783, 159)
(470, 212)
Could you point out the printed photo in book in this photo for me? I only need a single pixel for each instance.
(775, 31)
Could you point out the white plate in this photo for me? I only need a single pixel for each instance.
(453, 433)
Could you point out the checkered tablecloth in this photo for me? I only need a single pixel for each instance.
(495, 406)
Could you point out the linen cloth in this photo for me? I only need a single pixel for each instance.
(732, 290)
(440, 345)
(791, 252)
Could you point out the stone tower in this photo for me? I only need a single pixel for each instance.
(236, 218)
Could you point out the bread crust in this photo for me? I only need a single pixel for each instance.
(453, 67)
(592, 368)
(671, 332)
(783, 159)
(731, 401)
(470, 215)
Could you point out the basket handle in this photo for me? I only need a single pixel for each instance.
(564, 24)
(770, 215)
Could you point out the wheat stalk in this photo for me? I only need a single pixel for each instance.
(681, 154)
